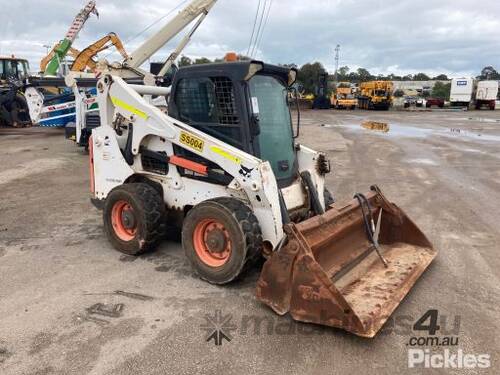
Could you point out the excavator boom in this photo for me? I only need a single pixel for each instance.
(62, 48)
(85, 58)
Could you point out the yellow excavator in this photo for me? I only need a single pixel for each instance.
(85, 59)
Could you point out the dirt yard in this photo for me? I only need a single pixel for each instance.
(70, 304)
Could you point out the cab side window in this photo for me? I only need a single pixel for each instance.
(209, 104)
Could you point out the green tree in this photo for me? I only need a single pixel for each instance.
(202, 60)
(185, 61)
(441, 77)
(343, 73)
(308, 76)
(488, 72)
(421, 77)
(441, 90)
(364, 75)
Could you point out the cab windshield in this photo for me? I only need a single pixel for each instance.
(270, 106)
(14, 68)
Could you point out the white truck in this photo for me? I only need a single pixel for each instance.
(461, 92)
(486, 94)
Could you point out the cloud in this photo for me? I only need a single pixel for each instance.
(457, 37)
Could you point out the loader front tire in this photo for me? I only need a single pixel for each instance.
(132, 217)
(220, 237)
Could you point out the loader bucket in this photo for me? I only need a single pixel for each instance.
(329, 273)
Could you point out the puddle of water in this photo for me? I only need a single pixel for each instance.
(408, 131)
(481, 119)
(422, 161)
(473, 150)
(394, 131)
(468, 134)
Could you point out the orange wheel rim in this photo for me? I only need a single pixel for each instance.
(124, 221)
(212, 242)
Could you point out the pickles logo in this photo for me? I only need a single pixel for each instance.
(423, 358)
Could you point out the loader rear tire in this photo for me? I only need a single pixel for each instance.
(221, 237)
(132, 217)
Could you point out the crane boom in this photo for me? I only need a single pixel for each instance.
(184, 42)
(168, 32)
(62, 49)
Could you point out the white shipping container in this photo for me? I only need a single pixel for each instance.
(461, 90)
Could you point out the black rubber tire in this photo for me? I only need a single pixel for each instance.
(329, 199)
(149, 211)
(23, 111)
(243, 228)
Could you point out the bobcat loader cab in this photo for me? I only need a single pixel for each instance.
(245, 105)
(224, 163)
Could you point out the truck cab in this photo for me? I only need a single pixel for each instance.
(343, 98)
(376, 95)
(13, 106)
(12, 67)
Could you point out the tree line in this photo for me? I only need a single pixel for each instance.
(309, 73)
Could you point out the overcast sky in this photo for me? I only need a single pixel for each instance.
(457, 37)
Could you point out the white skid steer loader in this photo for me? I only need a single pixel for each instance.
(225, 164)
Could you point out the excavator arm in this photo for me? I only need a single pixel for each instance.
(85, 58)
(61, 50)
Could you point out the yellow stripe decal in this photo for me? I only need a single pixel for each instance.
(225, 154)
(128, 107)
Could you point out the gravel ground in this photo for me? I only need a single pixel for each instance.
(70, 304)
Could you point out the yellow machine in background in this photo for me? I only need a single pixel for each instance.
(85, 59)
(375, 95)
(344, 98)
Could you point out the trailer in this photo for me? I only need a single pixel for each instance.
(486, 94)
(461, 92)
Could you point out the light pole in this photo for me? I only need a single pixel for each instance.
(337, 57)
